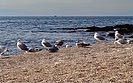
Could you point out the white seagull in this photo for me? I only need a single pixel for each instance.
(130, 41)
(121, 41)
(45, 44)
(81, 44)
(118, 35)
(59, 43)
(21, 46)
(54, 48)
(3, 50)
(98, 37)
(67, 45)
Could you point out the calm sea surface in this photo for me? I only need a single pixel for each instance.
(32, 29)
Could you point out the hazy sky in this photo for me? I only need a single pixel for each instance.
(66, 7)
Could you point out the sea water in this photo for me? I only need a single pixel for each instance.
(32, 29)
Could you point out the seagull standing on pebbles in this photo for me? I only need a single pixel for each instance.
(98, 37)
(54, 48)
(118, 35)
(46, 44)
(21, 46)
(67, 45)
(3, 50)
(59, 43)
(81, 44)
(49, 47)
(121, 41)
(130, 41)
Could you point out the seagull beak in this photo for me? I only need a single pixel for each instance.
(7, 50)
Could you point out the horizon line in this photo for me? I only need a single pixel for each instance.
(66, 15)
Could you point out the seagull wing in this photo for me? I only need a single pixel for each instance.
(47, 44)
(52, 49)
(59, 42)
(23, 47)
(2, 49)
(100, 37)
(118, 35)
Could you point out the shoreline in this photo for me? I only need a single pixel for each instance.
(104, 63)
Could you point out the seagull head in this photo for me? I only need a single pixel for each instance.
(77, 42)
(66, 43)
(43, 40)
(116, 31)
(96, 33)
(19, 40)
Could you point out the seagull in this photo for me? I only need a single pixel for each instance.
(49, 47)
(81, 44)
(21, 46)
(59, 43)
(3, 50)
(98, 37)
(130, 41)
(67, 45)
(45, 44)
(54, 48)
(118, 35)
(121, 41)
(34, 49)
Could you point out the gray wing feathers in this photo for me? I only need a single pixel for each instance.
(2, 49)
(23, 47)
(59, 43)
(47, 44)
(100, 38)
(52, 49)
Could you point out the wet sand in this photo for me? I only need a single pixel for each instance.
(98, 63)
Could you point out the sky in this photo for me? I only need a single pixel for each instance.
(66, 7)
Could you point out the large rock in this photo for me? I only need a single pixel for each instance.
(94, 28)
(123, 28)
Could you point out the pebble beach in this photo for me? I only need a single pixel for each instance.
(97, 63)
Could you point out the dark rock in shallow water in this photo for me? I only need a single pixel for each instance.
(123, 28)
(94, 28)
